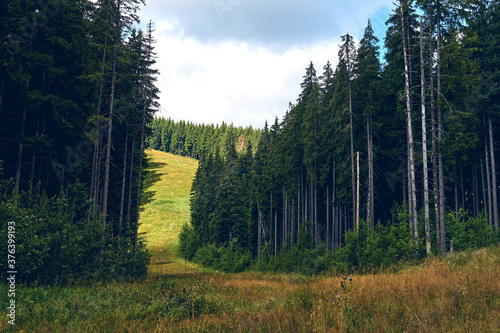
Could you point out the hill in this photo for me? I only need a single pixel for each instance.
(165, 208)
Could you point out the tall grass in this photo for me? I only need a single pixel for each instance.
(459, 292)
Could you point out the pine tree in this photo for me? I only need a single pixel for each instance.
(367, 70)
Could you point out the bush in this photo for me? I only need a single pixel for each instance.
(189, 242)
(55, 243)
(469, 232)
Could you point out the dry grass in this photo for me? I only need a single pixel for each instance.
(455, 293)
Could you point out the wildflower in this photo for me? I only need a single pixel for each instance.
(338, 296)
(341, 275)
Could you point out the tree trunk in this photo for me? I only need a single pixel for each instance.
(259, 233)
(357, 190)
(493, 175)
(335, 220)
(96, 165)
(292, 225)
(124, 177)
(411, 183)
(370, 204)
(455, 185)
(434, 144)
(130, 179)
(284, 219)
(316, 229)
(484, 187)
(475, 191)
(488, 181)
(442, 231)
(462, 192)
(110, 124)
(139, 187)
(327, 219)
(275, 234)
(424, 144)
(353, 184)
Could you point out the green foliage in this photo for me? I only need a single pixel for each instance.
(468, 232)
(55, 243)
(226, 259)
(189, 242)
(198, 140)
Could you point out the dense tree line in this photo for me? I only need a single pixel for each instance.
(409, 144)
(77, 92)
(195, 140)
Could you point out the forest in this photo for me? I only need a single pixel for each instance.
(196, 140)
(75, 108)
(374, 164)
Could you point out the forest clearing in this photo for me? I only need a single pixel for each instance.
(358, 196)
(459, 292)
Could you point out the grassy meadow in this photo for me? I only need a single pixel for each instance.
(459, 292)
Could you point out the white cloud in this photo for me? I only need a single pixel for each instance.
(245, 64)
(230, 81)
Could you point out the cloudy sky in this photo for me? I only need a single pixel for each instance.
(242, 61)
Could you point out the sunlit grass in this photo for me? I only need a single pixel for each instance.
(162, 217)
(459, 292)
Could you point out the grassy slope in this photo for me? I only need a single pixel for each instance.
(458, 293)
(166, 210)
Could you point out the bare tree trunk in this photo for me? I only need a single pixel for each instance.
(335, 220)
(493, 175)
(483, 182)
(271, 219)
(124, 177)
(316, 229)
(434, 144)
(353, 184)
(327, 219)
(139, 188)
(488, 181)
(462, 191)
(371, 198)
(440, 137)
(357, 191)
(411, 183)
(20, 155)
(484, 190)
(408, 181)
(475, 191)
(424, 143)
(110, 123)
(96, 165)
(456, 197)
(275, 234)
(130, 179)
(292, 225)
(259, 233)
(284, 219)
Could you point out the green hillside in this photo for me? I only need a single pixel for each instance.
(165, 208)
